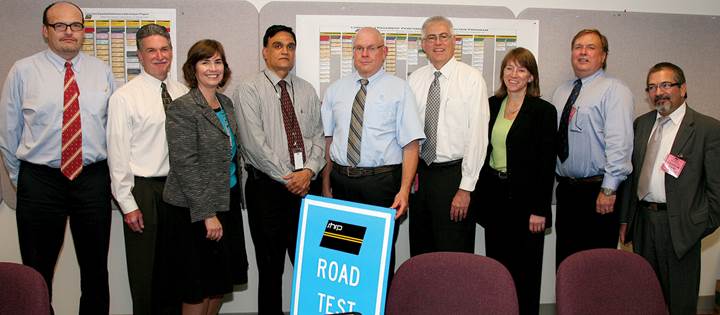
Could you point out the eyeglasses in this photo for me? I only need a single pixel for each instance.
(61, 27)
(663, 85)
(370, 49)
(442, 37)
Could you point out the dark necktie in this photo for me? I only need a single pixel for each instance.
(71, 161)
(292, 128)
(562, 133)
(432, 113)
(356, 125)
(166, 99)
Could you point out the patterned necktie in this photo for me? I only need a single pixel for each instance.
(166, 99)
(292, 128)
(71, 162)
(432, 113)
(650, 155)
(356, 125)
(562, 133)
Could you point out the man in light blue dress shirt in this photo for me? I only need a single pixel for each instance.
(598, 132)
(390, 132)
(31, 115)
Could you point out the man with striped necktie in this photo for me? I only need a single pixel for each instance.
(53, 110)
(372, 132)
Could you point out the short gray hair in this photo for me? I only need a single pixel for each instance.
(437, 18)
(150, 30)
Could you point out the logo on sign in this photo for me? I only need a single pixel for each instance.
(344, 237)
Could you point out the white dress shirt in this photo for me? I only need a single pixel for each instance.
(657, 178)
(137, 145)
(464, 115)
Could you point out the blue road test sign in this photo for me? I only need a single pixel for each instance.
(342, 258)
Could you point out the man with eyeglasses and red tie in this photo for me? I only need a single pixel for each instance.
(372, 132)
(672, 199)
(53, 112)
(453, 105)
(594, 137)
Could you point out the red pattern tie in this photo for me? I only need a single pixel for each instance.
(292, 128)
(71, 161)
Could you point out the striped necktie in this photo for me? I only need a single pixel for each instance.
(356, 125)
(71, 162)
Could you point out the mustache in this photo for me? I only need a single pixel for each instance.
(661, 98)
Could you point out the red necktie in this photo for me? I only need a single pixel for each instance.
(71, 161)
(292, 128)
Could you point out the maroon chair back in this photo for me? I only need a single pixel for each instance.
(452, 283)
(608, 281)
(22, 290)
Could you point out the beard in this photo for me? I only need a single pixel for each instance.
(663, 104)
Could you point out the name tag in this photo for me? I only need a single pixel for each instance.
(673, 165)
(298, 160)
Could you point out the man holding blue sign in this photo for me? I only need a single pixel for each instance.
(372, 130)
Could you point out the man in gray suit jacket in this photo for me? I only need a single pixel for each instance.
(673, 198)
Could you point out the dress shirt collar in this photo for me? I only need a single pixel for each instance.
(371, 79)
(59, 62)
(275, 79)
(590, 78)
(447, 70)
(676, 117)
(153, 81)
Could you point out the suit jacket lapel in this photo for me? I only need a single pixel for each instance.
(230, 113)
(644, 129)
(207, 112)
(687, 129)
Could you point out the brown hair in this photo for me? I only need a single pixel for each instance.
(603, 42)
(523, 58)
(204, 49)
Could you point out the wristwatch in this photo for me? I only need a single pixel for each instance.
(607, 191)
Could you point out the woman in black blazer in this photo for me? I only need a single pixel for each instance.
(514, 192)
(203, 184)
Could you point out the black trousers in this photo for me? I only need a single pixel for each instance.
(147, 260)
(679, 276)
(378, 190)
(431, 229)
(46, 199)
(508, 240)
(578, 225)
(273, 214)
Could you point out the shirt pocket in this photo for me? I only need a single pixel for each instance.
(455, 115)
(380, 116)
(580, 120)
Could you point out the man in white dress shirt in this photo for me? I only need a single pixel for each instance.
(138, 160)
(456, 125)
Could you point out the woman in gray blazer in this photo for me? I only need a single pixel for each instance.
(204, 184)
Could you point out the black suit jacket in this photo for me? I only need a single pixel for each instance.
(693, 199)
(530, 146)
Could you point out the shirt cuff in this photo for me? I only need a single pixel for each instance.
(127, 205)
(611, 182)
(468, 184)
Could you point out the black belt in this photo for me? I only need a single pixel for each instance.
(500, 175)
(444, 164)
(653, 206)
(255, 173)
(155, 179)
(364, 171)
(579, 181)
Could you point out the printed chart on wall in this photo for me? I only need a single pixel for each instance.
(110, 36)
(324, 50)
